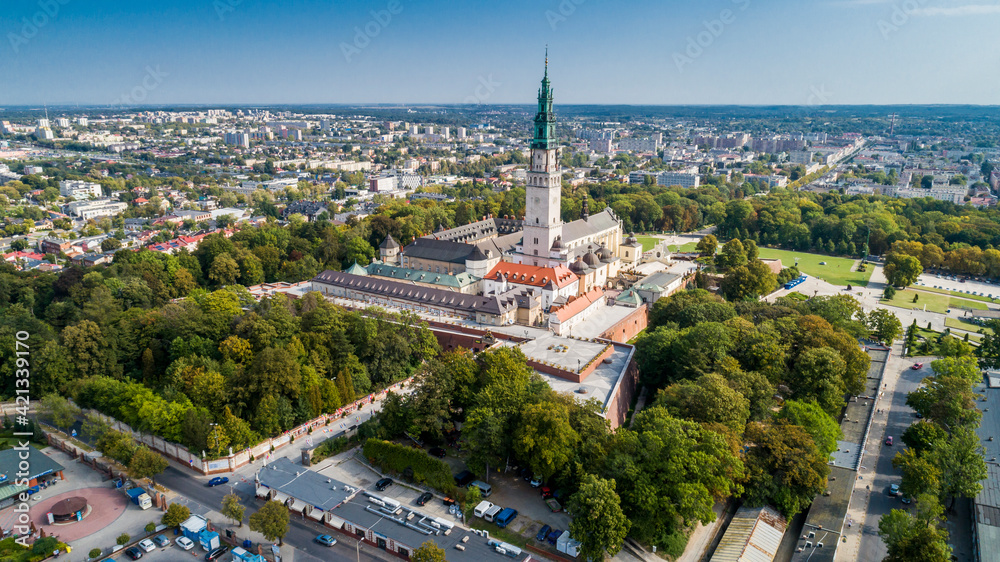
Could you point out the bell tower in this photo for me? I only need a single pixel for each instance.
(542, 222)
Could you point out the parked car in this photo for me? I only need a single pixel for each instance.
(526, 474)
(554, 536)
(147, 545)
(382, 484)
(134, 553)
(888, 440)
(424, 498)
(894, 490)
(917, 366)
(464, 478)
(325, 540)
(536, 481)
(544, 532)
(546, 492)
(438, 452)
(218, 481)
(161, 540)
(217, 553)
(184, 542)
(906, 500)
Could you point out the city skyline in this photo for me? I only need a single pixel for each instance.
(397, 52)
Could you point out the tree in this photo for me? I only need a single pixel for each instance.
(224, 270)
(708, 245)
(600, 523)
(709, 399)
(921, 475)
(669, 473)
(545, 437)
(232, 509)
(748, 282)
(472, 498)
(175, 515)
(146, 463)
(271, 520)
(917, 538)
(19, 245)
(784, 467)
(884, 326)
(60, 410)
(902, 270)
(109, 244)
(733, 254)
(923, 435)
(948, 401)
(819, 375)
(963, 467)
(821, 426)
(428, 552)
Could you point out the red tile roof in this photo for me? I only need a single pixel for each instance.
(536, 276)
(576, 305)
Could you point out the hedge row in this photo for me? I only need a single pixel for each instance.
(397, 458)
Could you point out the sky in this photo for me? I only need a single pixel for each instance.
(665, 52)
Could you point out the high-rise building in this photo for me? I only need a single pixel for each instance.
(238, 138)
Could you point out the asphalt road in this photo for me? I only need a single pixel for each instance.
(878, 469)
(201, 498)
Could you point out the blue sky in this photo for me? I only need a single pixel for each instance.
(797, 52)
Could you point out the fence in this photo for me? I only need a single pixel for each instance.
(235, 460)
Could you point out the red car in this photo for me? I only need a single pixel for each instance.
(888, 440)
(917, 366)
(546, 492)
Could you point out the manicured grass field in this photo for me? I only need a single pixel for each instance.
(904, 299)
(960, 324)
(648, 242)
(684, 248)
(966, 303)
(836, 271)
(956, 294)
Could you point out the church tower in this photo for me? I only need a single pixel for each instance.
(542, 223)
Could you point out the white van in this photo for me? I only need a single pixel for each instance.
(492, 512)
(482, 508)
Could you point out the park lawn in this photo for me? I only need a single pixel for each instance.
(836, 271)
(960, 324)
(955, 294)
(966, 303)
(684, 248)
(904, 299)
(648, 242)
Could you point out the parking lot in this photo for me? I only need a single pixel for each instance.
(509, 490)
(166, 553)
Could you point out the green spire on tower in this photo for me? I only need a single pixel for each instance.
(545, 120)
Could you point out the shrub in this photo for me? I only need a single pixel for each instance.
(123, 539)
(94, 553)
(150, 527)
(397, 458)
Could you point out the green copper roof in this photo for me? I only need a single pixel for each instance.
(457, 281)
(356, 270)
(545, 120)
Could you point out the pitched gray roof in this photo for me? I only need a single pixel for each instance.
(578, 229)
(438, 250)
(417, 293)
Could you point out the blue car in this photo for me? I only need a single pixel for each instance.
(554, 536)
(544, 532)
(325, 540)
(218, 481)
